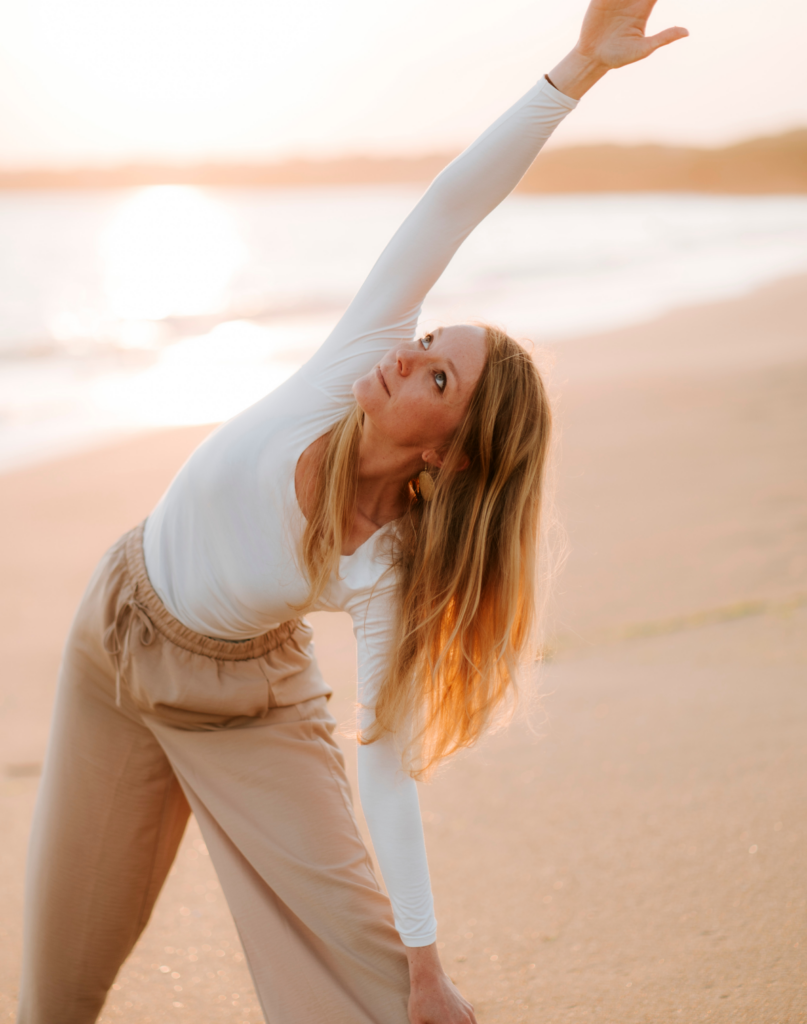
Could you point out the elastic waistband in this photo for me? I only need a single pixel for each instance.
(171, 628)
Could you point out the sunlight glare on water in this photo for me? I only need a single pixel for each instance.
(199, 380)
(171, 250)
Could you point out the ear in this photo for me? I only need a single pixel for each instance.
(434, 458)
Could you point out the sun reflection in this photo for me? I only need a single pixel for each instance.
(170, 251)
(202, 379)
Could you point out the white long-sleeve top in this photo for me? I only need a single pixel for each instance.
(221, 546)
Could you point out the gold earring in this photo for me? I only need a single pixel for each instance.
(426, 482)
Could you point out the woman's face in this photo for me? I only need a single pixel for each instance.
(419, 393)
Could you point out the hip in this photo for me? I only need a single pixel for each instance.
(166, 669)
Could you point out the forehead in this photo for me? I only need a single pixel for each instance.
(466, 335)
(466, 346)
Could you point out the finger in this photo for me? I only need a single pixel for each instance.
(669, 35)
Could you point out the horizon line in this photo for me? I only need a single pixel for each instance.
(365, 156)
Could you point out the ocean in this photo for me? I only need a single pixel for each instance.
(127, 310)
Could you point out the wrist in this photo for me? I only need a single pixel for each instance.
(586, 64)
(577, 73)
(424, 962)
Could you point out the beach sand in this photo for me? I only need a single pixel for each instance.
(636, 851)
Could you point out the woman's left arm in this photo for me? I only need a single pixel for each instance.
(389, 799)
(390, 802)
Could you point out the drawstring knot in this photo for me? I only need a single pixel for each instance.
(117, 638)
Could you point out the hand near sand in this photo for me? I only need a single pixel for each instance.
(612, 35)
(433, 997)
(439, 1002)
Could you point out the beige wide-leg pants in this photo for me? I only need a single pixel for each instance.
(153, 721)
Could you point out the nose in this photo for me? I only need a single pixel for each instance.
(405, 360)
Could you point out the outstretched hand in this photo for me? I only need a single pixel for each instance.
(613, 32)
(613, 35)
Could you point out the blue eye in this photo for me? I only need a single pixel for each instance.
(426, 340)
(440, 380)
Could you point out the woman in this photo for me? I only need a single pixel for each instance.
(396, 477)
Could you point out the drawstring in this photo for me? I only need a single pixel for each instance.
(129, 612)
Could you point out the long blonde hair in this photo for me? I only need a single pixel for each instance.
(466, 560)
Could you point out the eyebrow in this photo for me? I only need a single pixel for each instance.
(450, 362)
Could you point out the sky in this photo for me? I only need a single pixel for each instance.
(107, 81)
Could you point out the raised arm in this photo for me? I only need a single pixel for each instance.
(385, 311)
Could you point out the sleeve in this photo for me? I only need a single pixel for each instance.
(385, 311)
(389, 796)
(389, 799)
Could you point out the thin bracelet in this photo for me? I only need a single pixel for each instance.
(551, 82)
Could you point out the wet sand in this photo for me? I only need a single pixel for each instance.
(634, 852)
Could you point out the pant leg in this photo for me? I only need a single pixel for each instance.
(109, 818)
(273, 804)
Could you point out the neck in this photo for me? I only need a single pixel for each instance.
(385, 469)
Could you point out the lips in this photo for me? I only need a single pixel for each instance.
(380, 376)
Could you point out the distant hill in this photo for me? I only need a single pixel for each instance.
(776, 164)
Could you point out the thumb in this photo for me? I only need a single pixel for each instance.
(669, 35)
